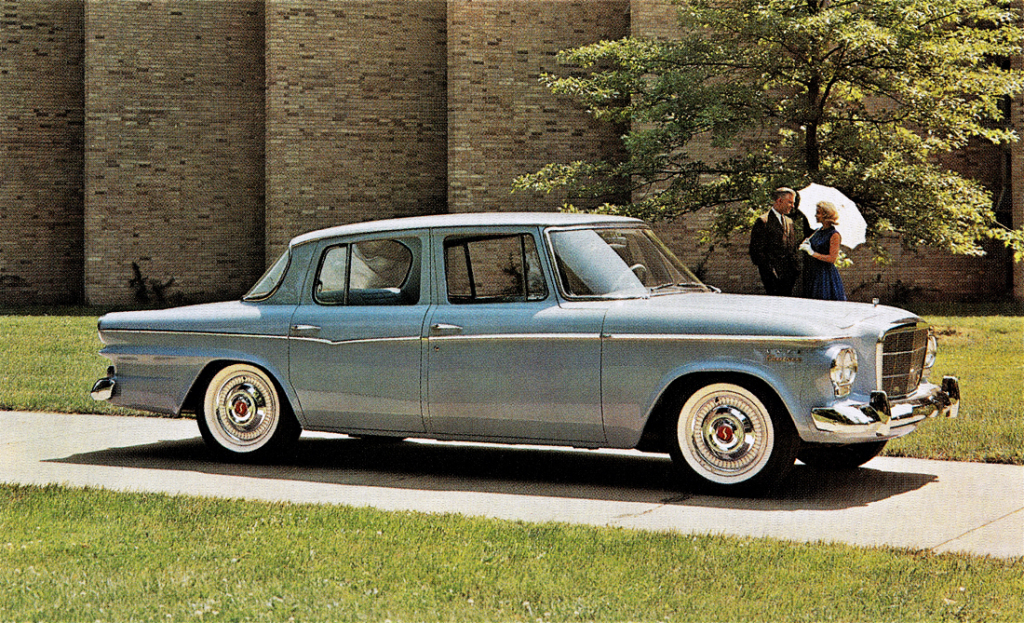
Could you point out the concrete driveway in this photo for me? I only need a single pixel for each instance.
(928, 505)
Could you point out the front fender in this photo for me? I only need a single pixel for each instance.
(628, 412)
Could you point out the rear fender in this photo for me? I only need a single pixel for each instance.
(169, 380)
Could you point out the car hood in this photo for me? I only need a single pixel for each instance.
(740, 314)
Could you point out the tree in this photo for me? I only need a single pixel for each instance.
(860, 95)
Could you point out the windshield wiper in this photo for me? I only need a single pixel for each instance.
(685, 284)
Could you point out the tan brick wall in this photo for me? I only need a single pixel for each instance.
(174, 146)
(502, 121)
(194, 138)
(41, 109)
(356, 124)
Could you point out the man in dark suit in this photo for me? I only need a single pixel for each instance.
(775, 245)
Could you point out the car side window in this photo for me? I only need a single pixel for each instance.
(370, 272)
(493, 269)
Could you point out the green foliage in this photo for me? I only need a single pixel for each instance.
(862, 96)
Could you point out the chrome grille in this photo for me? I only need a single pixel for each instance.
(903, 352)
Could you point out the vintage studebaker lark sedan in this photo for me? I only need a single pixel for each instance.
(554, 329)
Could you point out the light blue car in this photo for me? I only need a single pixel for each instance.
(558, 329)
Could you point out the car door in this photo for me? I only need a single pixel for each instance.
(356, 338)
(504, 360)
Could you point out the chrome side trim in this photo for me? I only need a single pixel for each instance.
(184, 332)
(405, 338)
(805, 340)
(364, 340)
(517, 336)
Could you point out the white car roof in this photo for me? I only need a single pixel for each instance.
(476, 219)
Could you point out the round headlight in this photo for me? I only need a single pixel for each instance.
(843, 371)
(931, 350)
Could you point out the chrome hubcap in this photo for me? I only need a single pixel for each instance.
(724, 437)
(726, 432)
(244, 411)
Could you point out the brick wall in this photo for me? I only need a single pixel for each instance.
(502, 121)
(194, 138)
(174, 147)
(41, 108)
(356, 125)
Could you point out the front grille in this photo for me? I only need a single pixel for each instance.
(903, 353)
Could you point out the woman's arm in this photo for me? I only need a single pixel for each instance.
(833, 250)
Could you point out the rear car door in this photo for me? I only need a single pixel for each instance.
(355, 338)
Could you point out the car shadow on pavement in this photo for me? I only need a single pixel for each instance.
(517, 470)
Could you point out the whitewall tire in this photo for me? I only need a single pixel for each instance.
(243, 414)
(728, 439)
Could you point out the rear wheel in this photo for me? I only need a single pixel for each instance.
(243, 415)
(731, 442)
(832, 457)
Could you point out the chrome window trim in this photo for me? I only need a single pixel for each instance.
(515, 232)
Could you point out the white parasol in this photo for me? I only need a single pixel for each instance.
(852, 226)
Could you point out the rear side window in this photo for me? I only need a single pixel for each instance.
(371, 272)
(493, 269)
(270, 280)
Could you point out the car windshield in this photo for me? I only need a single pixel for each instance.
(269, 281)
(618, 263)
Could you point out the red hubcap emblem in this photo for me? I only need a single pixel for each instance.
(725, 433)
(241, 409)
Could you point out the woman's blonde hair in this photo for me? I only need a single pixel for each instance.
(830, 212)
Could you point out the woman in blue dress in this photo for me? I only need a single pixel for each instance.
(821, 277)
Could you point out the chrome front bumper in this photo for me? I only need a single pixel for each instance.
(881, 417)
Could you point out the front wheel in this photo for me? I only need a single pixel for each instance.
(243, 415)
(726, 437)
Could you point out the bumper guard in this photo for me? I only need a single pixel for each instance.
(103, 389)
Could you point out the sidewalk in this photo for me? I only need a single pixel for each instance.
(930, 505)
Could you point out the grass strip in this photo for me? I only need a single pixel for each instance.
(94, 555)
(987, 354)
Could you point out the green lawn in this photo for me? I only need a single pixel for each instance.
(50, 360)
(987, 353)
(89, 555)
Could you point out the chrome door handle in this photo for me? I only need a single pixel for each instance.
(304, 330)
(441, 328)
